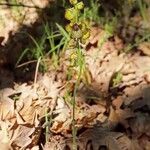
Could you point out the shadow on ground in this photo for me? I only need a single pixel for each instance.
(17, 43)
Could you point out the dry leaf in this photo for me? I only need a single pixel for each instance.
(140, 124)
(22, 136)
(63, 119)
(145, 48)
(117, 102)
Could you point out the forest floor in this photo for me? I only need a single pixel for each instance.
(112, 101)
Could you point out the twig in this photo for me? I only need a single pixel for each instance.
(26, 63)
(36, 71)
(29, 62)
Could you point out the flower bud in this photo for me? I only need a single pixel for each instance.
(70, 13)
(73, 2)
(79, 5)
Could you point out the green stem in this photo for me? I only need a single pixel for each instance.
(47, 127)
(74, 145)
(80, 64)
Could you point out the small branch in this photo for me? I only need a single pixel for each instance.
(26, 63)
(36, 71)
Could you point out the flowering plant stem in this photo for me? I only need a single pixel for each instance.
(80, 56)
(79, 33)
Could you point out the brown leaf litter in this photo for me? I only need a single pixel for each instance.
(24, 107)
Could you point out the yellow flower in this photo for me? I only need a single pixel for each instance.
(70, 13)
(73, 2)
(73, 58)
(86, 35)
(85, 24)
(68, 28)
(79, 5)
(77, 34)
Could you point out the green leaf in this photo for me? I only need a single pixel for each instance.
(63, 31)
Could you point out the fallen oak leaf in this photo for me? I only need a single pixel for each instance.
(22, 136)
(117, 102)
(62, 119)
(140, 124)
(85, 116)
(145, 48)
(120, 116)
(7, 104)
(4, 136)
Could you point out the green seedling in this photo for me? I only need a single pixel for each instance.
(15, 97)
(117, 79)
